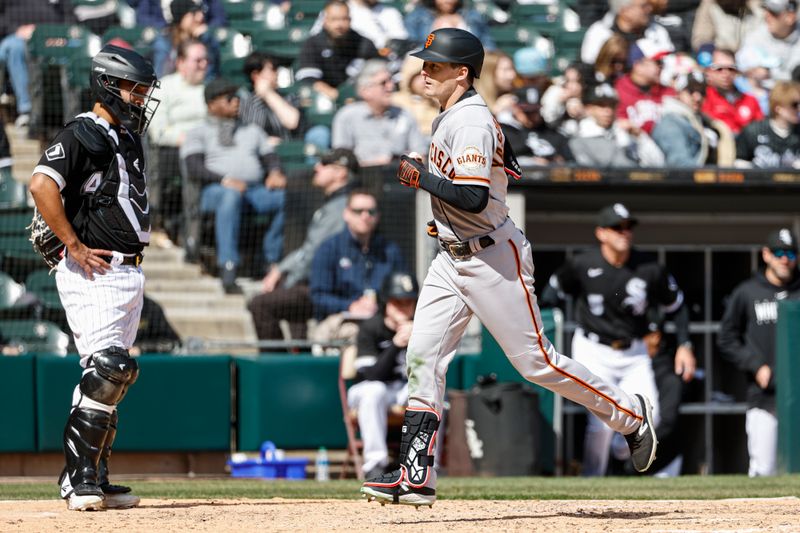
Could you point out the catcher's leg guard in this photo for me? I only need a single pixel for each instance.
(116, 496)
(407, 484)
(84, 437)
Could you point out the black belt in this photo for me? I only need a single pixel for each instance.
(130, 260)
(461, 249)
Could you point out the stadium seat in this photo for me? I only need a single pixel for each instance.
(283, 44)
(13, 194)
(305, 11)
(38, 336)
(43, 284)
(239, 9)
(510, 38)
(544, 18)
(10, 291)
(294, 154)
(62, 43)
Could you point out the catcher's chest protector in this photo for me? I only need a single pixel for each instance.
(115, 213)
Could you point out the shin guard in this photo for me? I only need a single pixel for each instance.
(417, 445)
(102, 465)
(84, 438)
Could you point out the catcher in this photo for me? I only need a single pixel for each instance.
(91, 225)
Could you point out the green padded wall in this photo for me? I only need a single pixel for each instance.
(17, 390)
(787, 370)
(177, 404)
(292, 400)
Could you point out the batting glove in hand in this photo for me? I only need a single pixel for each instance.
(410, 171)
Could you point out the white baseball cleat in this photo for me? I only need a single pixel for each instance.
(121, 501)
(88, 502)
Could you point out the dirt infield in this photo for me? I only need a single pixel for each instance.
(465, 515)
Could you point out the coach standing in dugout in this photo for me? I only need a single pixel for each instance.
(747, 339)
(617, 289)
(96, 164)
(485, 268)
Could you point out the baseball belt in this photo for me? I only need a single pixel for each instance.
(617, 344)
(462, 249)
(130, 260)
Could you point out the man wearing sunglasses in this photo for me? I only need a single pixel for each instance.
(618, 293)
(723, 100)
(747, 338)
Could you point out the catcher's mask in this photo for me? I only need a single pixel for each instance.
(110, 67)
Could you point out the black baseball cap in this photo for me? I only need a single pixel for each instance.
(615, 215)
(341, 156)
(600, 94)
(219, 87)
(782, 239)
(179, 8)
(528, 98)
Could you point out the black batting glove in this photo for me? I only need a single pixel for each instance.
(410, 171)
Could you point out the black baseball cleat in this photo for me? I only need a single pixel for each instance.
(642, 442)
(392, 488)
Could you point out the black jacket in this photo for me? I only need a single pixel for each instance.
(747, 331)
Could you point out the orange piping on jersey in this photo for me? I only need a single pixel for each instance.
(472, 178)
(544, 352)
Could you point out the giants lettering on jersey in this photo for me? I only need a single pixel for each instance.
(471, 159)
(442, 161)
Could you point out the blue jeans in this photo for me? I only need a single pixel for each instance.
(12, 53)
(227, 205)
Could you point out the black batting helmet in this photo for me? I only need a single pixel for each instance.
(114, 63)
(399, 285)
(451, 45)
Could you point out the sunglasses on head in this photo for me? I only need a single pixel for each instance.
(789, 254)
(370, 211)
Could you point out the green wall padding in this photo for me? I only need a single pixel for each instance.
(17, 396)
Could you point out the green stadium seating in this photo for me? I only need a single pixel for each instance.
(544, 18)
(10, 291)
(294, 154)
(62, 43)
(305, 11)
(238, 9)
(510, 38)
(284, 44)
(37, 336)
(13, 194)
(43, 284)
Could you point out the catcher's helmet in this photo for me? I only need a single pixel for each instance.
(113, 64)
(399, 285)
(451, 45)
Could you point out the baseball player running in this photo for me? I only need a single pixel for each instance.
(96, 164)
(486, 269)
(619, 292)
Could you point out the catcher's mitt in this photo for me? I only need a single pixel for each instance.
(45, 242)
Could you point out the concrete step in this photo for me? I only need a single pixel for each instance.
(155, 270)
(175, 301)
(154, 254)
(204, 285)
(228, 325)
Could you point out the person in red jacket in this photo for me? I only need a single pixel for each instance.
(640, 93)
(723, 101)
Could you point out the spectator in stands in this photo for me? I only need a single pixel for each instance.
(777, 36)
(629, 18)
(335, 54)
(18, 20)
(380, 367)
(754, 66)
(676, 17)
(182, 108)
(533, 67)
(349, 269)
(678, 66)
(498, 80)
(680, 133)
(188, 22)
(279, 117)
(773, 142)
(155, 333)
(640, 91)
(747, 339)
(374, 129)
(561, 104)
(377, 21)
(238, 169)
(723, 100)
(285, 293)
(724, 23)
(598, 141)
(411, 96)
(429, 15)
(533, 141)
(612, 59)
(156, 13)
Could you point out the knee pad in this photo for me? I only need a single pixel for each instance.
(108, 376)
(417, 445)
